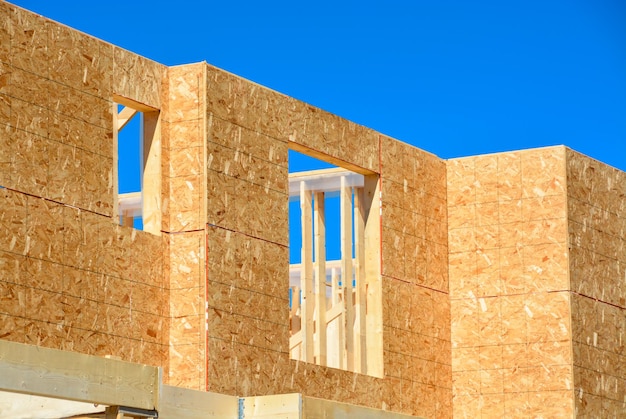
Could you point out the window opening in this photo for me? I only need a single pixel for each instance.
(137, 170)
(334, 246)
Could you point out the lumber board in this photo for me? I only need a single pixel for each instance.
(372, 262)
(308, 300)
(320, 277)
(151, 172)
(49, 372)
(124, 117)
(287, 406)
(360, 294)
(346, 268)
(313, 407)
(181, 403)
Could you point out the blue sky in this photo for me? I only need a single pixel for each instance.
(454, 78)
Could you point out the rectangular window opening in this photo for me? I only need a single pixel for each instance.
(334, 288)
(137, 169)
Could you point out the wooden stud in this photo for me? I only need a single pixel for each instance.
(115, 171)
(320, 278)
(113, 412)
(151, 172)
(360, 294)
(306, 275)
(374, 316)
(346, 269)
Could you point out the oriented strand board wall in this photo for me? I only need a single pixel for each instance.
(70, 277)
(510, 304)
(184, 223)
(597, 229)
(249, 131)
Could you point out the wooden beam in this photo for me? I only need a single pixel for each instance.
(319, 408)
(151, 172)
(124, 117)
(66, 375)
(142, 107)
(286, 406)
(182, 403)
(346, 269)
(308, 299)
(374, 322)
(360, 294)
(115, 171)
(325, 157)
(320, 278)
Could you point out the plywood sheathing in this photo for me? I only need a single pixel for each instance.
(509, 284)
(55, 108)
(248, 131)
(183, 154)
(597, 236)
(275, 115)
(68, 282)
(72, 279)
(416, 310)
(183, 206)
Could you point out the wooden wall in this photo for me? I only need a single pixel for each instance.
(70, 277)
(502, 276)
(249, 132)
(597, 235)
(509, 285)
(184, 223)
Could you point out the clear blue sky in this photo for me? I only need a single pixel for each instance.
(454, 78)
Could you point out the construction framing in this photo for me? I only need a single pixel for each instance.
(493, 285)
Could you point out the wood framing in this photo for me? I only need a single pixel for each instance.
(67, 375)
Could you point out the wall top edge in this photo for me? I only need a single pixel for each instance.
(47, 19)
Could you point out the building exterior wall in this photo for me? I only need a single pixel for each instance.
(501, 276)
(249, 132)
(71, 277)
(510, 304)
(597, 227)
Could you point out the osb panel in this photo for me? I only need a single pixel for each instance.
(184, 203)
(67, 275)
(29, 40)
(247, 175)
(59, 132)
(185, 93)
(186, 366)
(79, 61)
(137, 78)
(186, 260)
(240, 260)
(232, 202)
(259, 109)
(508, 260)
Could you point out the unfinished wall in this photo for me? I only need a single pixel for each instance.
(184, 216)
(597, 230)
(71, 278)
(249, 132)
(510, 304)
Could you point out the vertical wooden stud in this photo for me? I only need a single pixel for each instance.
(306, 275)
(360, 296)
(346, 268)
(320, 278)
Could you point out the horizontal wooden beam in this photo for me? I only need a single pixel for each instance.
(325, 180)
(46, 372)
(300, 148)
(182, 403)
(133, 104)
